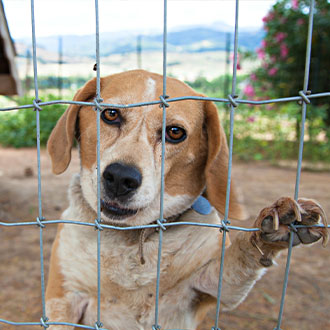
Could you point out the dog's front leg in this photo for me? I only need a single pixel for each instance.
(66, 309)
(251, 253)
(241, 270)
(61, 305)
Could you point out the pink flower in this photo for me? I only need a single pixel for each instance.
(273, 59)
(253, 77)
(269, 17)
(249, 90)
(300, 21)
(261, 53)
(263, 43)
(272, 71)
(284, 50)
(295, 4)
(280, 36)
(251, 119)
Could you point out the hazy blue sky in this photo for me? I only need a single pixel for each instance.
(59, 17)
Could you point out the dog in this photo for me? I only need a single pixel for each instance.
(196, 166)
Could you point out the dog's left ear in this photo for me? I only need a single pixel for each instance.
(60, 142)
(216, 170)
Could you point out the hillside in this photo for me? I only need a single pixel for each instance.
(188, 39)
(192, 51)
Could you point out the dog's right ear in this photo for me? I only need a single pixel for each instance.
(216, 169)
(60, 142)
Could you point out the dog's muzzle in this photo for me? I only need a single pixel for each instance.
(120, 182)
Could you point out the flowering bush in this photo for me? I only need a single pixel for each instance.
(282, 55)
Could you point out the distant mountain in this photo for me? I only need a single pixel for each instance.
(187, 39)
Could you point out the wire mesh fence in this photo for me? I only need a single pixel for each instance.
(164, 101)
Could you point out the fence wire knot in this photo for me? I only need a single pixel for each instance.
(224, 225)
(156, 327)
(214, 328)
(98, 325)
(39, 223)
(98, 226)
(232, 101)
(97, 102)
(163, 99)
(293, 228)
(304, 97)
(36, 105)
(160, 224)
(43, 322)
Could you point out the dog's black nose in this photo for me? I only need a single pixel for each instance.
(121, 179)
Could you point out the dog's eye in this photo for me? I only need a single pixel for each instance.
(175, 134)
(111, 116)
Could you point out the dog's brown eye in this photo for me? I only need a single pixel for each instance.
(111, 116)
(175, 134)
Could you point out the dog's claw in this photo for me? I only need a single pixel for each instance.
(274, 222)
(316, 211)
(297, 210)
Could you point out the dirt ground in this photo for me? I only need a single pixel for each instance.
(307, 302)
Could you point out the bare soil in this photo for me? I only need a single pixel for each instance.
(307, 302)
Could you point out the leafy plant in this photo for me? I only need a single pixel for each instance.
(18, 128)
(267, 132)
(282, 56)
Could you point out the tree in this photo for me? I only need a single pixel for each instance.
(282, 56)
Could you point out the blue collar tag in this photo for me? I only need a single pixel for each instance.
(202, 206)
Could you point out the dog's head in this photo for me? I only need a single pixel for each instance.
(196, 156)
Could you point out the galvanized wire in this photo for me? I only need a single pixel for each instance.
(285, 282)
(174, 99)
(37, 109)
(300, 155)
(232, 101)
(170, 224)
(98, 110)
(233, 105)
(305, 99)
(161, 220)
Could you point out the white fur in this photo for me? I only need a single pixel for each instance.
(150, 91)
(77, 251)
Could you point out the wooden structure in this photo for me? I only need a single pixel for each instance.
(9, 80)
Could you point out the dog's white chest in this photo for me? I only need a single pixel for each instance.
(126, 283)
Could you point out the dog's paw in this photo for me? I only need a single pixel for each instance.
(276, 221)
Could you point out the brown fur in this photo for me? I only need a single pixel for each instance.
(190, 255)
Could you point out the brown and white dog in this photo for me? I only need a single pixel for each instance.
(195, 165)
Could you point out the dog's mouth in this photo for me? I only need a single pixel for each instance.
(116, 211)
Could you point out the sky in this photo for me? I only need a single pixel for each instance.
(77, 17)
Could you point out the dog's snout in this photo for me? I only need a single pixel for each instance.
(121, 179)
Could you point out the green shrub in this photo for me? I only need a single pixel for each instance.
(282, 55)
(18, 128)
(269, 132)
